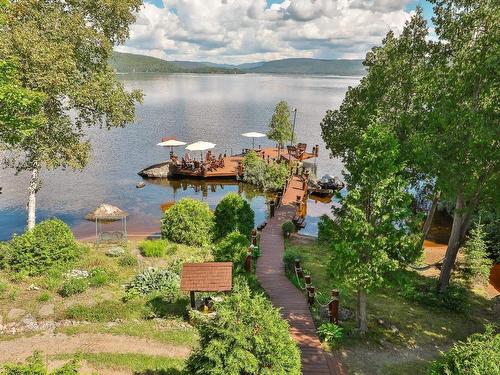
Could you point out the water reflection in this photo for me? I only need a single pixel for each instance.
(215, 108)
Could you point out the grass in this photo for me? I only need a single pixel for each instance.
(172, 332)
(137, 363)
(154, 248)
(400, 330)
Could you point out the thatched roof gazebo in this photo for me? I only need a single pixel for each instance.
(104, 214)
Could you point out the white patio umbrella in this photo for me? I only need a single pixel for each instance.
(171, 142)
(253, 135)
(200, 146)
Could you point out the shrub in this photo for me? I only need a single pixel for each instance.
(479, 354)
(44, 297)
(35, 365)
(267, 176)
(288, 228)
(50, 244)
(232, 248)
(233, 213)
(325, 229)
(153, 248)
(99, 277)
(476, 265)
(422, 290)
(127, 261)
(73, 286)
(247, 336)
(330, 333)
(154, 281)
(189, 222)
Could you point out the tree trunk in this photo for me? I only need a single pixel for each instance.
(430, 215)
(32, 190)
(460, 218)
(361, 315)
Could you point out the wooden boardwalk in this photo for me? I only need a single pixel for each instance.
(294, 308)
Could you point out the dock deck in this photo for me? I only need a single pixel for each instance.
(231, 163)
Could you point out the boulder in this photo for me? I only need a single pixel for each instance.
(15, 314)
(46, 310)
(161, 170)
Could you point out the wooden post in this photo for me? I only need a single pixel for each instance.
(191, 296)
(310, 295)
(298, 269)
(254, 237)
(308, 280)
(333, 307)
(271, 208)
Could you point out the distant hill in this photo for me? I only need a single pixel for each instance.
(129, 63)
(308, 66)
(132, 63)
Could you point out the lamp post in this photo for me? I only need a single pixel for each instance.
(294, 110)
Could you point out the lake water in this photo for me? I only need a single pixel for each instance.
(214, 108)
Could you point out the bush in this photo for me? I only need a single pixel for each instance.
(268, 177)
(127, 261)
(50, 244)
(233, 213)
(233, 248)
(247, 336)
(422, 290)
(153, 248)
(154, 281)
(325, 229)
(100, 276)
(189, 222)
(73, 286)
(479, 354)
(288, 228)
(330, 333)
(35, 365)
(476, 265)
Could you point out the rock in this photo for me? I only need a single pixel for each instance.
(15, 314)
(115, 251)
(161, 170)
(77, 274)
(29, 323)
(46, 310)
(33, 287)
(140, 185)
(344, 314)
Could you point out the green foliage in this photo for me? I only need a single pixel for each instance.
(423, 291)
(476, 266)
(288, 228)
(154, 281)
(325, 229)
(35, 365)
(43, 297)
(268, 177)
(331, 333)
(21, 109)
(188, 222)
(106, 311)
(100, 276)
(478, 355)
(153, 248)
(50, 244)
(280, 126)
(247, 336)
(73, 286)
(127, 260)
(232, 248)
(233, 213)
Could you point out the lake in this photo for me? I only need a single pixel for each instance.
(189, 107)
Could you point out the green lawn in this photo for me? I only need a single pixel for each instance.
(403, 335)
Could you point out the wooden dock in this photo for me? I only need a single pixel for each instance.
(231, 164)
(271, 275)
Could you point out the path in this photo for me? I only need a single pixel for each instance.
(21, 348)
(294, 308)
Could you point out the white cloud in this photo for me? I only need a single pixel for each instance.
(235, 31)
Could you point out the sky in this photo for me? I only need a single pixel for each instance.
(240, 31)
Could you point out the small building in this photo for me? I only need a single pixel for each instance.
(206, 277)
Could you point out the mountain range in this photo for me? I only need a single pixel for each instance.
(130, 63)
